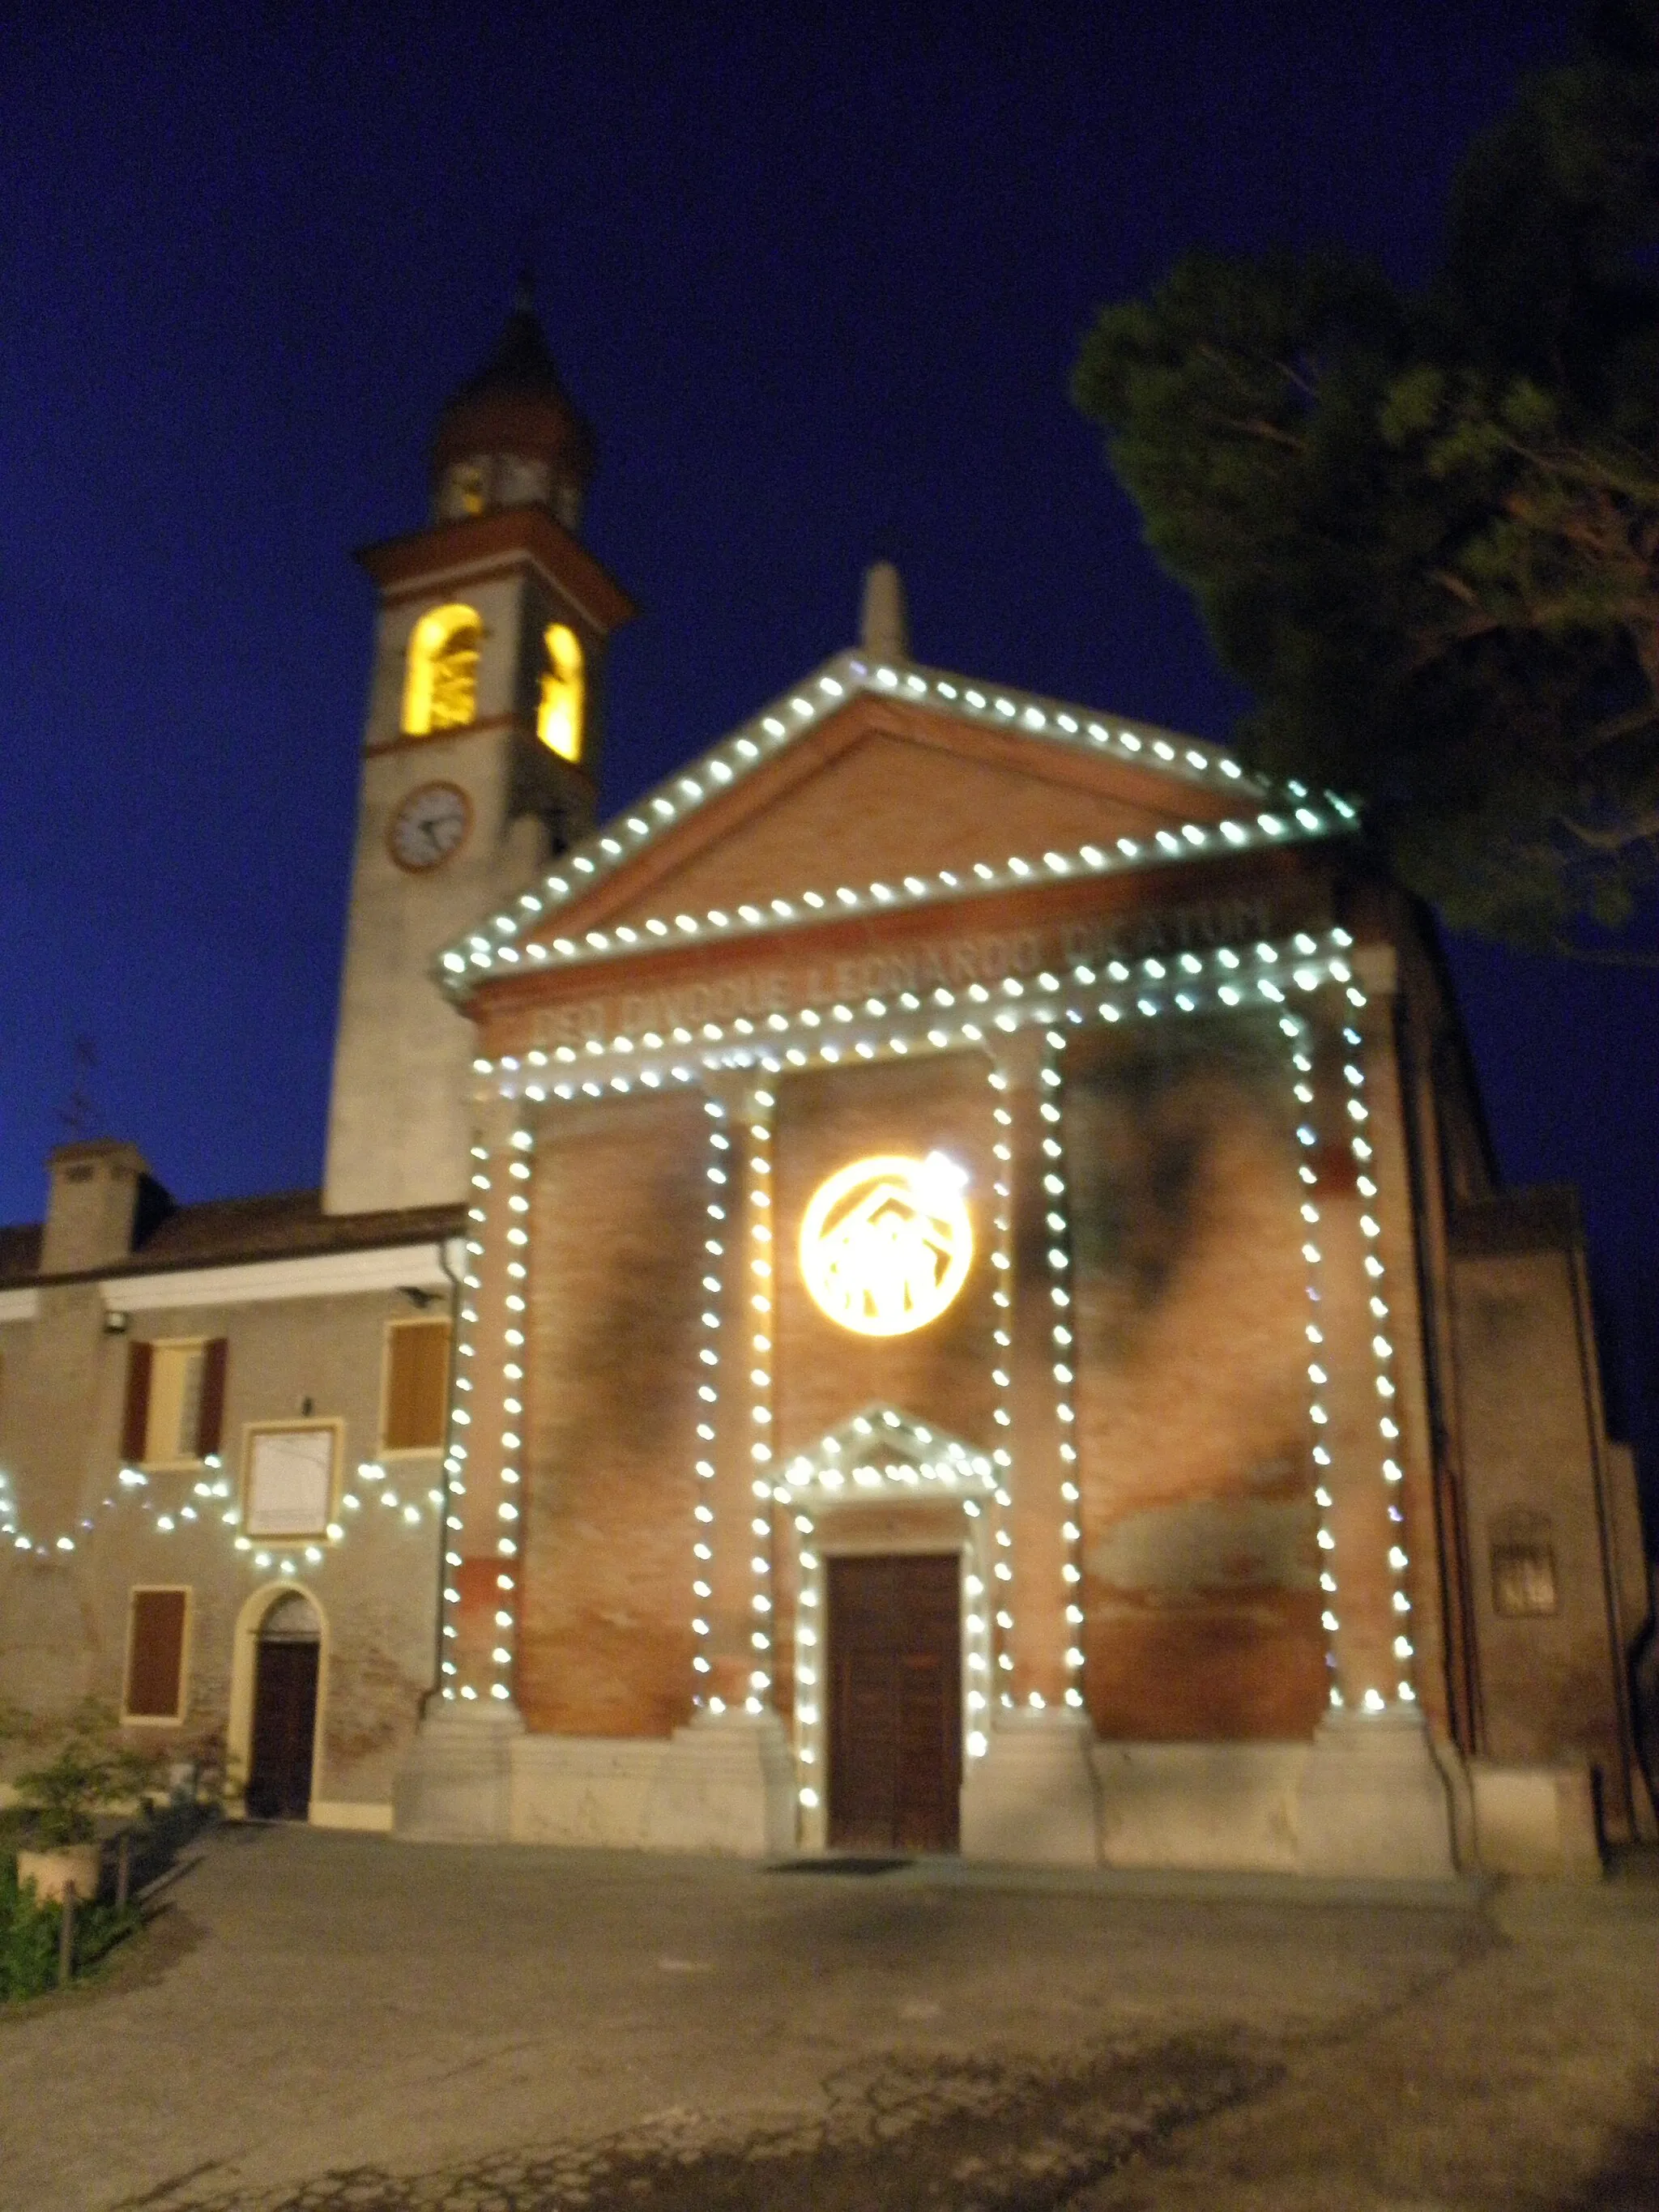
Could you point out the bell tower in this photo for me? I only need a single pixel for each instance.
(481, 756)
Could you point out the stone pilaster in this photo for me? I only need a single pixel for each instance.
(1372, 1799)
(1040, 1513)
(1033, 1795)
(1396, 1247)
(456, 1783)
(726, 1783)
(739, 1494)
(1356, 1516)
(1372, 1802)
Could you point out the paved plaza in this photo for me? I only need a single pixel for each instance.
(341, 2021)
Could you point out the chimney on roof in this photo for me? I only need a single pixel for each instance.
(93, 1207)
(883, 630)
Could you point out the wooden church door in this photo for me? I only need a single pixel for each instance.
(284, 1713)
(894, 1702)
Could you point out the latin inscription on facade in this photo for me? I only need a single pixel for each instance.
(953, 962)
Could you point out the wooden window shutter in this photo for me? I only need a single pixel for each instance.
(211, 1415)
(155, 1655)
(416, 1386)
(135, 1422)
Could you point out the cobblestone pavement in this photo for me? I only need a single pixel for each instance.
(340, 2024)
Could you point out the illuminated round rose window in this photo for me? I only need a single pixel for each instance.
(886, 1243)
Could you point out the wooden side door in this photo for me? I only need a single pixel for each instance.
(894, 1702)
(284, 1728)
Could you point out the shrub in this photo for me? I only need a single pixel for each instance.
(92, 1771)
(29, 1935)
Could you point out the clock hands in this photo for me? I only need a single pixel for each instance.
(430, 825)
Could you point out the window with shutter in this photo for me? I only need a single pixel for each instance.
(135, 1424)
(158, 1624)
(210, 1418)
(415, 1386)
(175, 1401)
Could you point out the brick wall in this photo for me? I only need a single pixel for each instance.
(1201, 1581)
(617, 1262)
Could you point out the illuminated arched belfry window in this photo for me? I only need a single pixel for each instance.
(559, 723)
(441, 683)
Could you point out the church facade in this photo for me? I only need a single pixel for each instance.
(935, 1285)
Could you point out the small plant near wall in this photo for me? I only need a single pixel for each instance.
(32, 1937)
(89, 1770)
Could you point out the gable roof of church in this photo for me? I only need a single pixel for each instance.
(512, 940)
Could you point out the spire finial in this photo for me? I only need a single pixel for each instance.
(524, 292)
(883, 630)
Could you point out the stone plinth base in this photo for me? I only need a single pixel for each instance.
(1031, 1798)
(1219, 1808)
(456, 1785)
(726, 1782)
(1535, 1820)
(586, 1789)
(1372, 1803)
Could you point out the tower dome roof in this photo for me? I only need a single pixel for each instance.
(516, 407)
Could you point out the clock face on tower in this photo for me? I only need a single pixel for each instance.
(429, 825)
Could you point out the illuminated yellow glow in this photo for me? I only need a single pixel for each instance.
(469, 488)
(886, 1243)
(441, 680)
(559, 725)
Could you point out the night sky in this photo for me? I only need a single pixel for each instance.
(817, 276)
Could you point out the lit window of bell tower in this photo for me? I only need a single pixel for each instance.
(480, 758)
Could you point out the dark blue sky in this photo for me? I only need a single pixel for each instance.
(817, 274)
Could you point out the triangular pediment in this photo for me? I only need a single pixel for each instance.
(871, 785)
(884, 1448)
(880, 793)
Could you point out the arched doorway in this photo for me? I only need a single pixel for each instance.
(283, 1738)
(895, 1643)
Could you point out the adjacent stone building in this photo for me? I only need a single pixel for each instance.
(935, 1285)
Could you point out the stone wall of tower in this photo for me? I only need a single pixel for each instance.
(400, 1124)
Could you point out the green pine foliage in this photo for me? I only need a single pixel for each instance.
(1423, 528)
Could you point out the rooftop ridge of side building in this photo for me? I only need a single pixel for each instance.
(163, 1237)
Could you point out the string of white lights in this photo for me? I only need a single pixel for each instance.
(727, 763)
(509, 1512)
(1193, 840)
(761, 1326)
(210, 1500)
(1354, 1074)
(1318, 1375)
(1226, 976)
(1002, 1339)
(20, 1541)
(708, 1357)
(456, 1459)
(810, 1611)
(1057, 1227)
